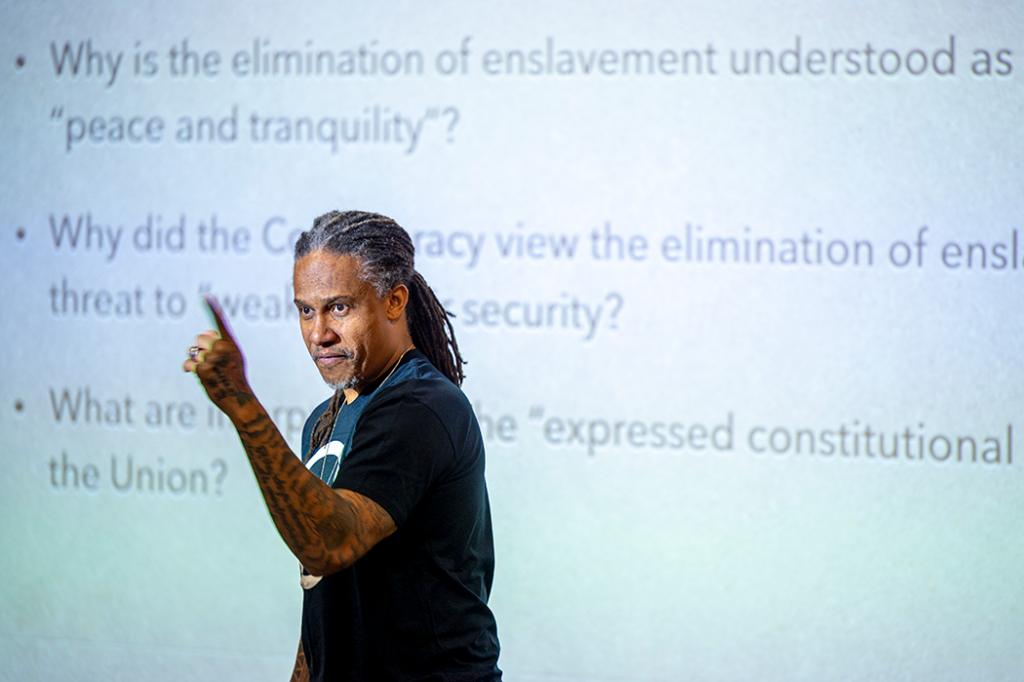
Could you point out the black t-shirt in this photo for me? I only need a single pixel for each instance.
(415, 606)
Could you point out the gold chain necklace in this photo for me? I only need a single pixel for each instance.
(379, 386)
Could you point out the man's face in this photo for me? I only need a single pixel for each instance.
(344, 324)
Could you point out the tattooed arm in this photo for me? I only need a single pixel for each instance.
(300, 673)
(327, 529)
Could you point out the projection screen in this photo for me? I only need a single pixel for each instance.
(738, 283)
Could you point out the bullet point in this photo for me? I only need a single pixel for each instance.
(18, 406)
(20, 61)
(20, 233)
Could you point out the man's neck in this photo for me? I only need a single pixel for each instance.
(353, 393)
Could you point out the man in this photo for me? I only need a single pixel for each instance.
(388, 513)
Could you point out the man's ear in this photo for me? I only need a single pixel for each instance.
(396, 302)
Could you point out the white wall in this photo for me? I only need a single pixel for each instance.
(660, 510)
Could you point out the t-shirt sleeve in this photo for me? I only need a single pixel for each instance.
(400, 448)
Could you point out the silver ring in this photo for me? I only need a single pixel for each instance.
(193, 353)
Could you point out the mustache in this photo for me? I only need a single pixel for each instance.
(342, 353)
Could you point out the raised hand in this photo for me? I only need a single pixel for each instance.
(217, 361)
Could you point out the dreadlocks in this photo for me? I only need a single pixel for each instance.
(385, 253)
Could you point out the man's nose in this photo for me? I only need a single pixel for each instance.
(323, 333)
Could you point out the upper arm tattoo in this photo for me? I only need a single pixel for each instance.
(369, 523)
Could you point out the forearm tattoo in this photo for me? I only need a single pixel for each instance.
(326, 529)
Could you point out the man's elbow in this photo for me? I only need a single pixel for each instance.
(344, 536)
(330, 562)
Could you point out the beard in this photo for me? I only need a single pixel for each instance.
(349, 382)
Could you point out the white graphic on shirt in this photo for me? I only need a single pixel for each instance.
(324, 463)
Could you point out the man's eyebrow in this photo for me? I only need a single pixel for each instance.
(348, 300)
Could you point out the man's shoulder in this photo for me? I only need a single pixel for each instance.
(417, 380)
(423, 403)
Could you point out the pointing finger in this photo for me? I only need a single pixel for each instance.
(218, 316)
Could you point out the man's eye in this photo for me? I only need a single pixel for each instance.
(340, 308)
